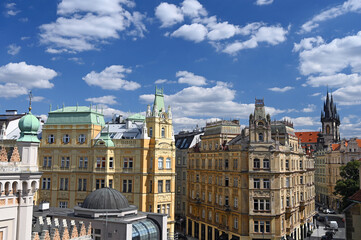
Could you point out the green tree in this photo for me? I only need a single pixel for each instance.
(349, 184)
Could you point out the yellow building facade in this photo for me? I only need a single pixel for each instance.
(254, 184)
(79, 153)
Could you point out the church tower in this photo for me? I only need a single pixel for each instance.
(259, 124)
(330, 121)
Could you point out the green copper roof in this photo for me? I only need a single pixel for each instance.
(104, 137)
(137, 117)
(29, 126)
(75, 115)
(159, 98)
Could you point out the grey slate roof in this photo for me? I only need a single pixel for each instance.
(105, 198)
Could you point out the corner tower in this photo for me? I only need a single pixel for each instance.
(330, 121)
(161, 159)
(259, 124)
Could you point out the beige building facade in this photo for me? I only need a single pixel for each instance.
(79, 153)
(258, 184)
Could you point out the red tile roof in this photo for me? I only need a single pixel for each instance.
(356, 197)
(336, 147)
(307, 137)
(358, 142)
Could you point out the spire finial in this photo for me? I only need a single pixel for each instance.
(30, 97)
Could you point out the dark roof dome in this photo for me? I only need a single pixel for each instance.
(105, 198)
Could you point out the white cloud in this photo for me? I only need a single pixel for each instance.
(82, 26)
(316, 94)
(220, 31)
(202, 27)
(284, 89)
(37, 98)
(43, 117)
(309, 108)
(76, 60)
(168, 14)
(193, 8)
(160, 81)
(346, 7)
(27, 76)
(12, 90)
(336, 80)
(13, 49)
(303, 121)
(308, 43)
(195, 32)
(272, 35)
(264, 2)
(333, 57)
(111, 78)
(190, 78)
(109, 100)
(202, 102)
(11, 9)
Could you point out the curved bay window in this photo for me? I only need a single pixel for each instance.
(145, 229)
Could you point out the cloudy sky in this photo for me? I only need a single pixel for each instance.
(211, 57)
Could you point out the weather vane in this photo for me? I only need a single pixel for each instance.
(30, 97)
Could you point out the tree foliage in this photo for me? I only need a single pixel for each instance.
(349, 184)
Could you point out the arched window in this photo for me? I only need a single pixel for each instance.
(160, 163)
(163, 133)
(168, 163)
(260, 137)
(51, 138)
(327, 129)
(260, 124)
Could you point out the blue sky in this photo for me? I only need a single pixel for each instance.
(211, 57)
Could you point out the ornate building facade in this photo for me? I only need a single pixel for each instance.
(79, 153)
(19, 180)
(258, 184)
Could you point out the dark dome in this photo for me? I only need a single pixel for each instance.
(105, 198)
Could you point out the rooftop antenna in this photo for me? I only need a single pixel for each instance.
(30, 97)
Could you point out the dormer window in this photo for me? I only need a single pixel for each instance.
(51, 139)
(81, 138)
(66, 138)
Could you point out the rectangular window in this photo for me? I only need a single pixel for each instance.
(110, 183)
(97, 183)
(301, 164)
(256, 227)
(287, 182)
(98, 162)
(256, 163)
(235, 164)
(235, 223)
(266, 183)
(43, 186)
(168, 210)
(235, 182)
(67, 162)
(62, 164)
(81, 161)
(266, 164)
(158, 209)
(45, 162)
(160, 186)
(102, 183)
(256, 183)
(124, 186)
(287, 164)
(85, 162)
(49, 161)
(160, 163)
(210, 197)
(103, 162)
(150, 186)
(226, 163)
(168, 163)
(226, 181)
(49, 184)
(301, 179)
(235, 201)
(130, 185)
(111, 162)
(80, 184)
(167, 185)
(63, 204)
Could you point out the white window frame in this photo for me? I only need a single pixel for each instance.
(81, 138)
(66, 138)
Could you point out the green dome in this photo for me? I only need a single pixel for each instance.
(29, 126)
